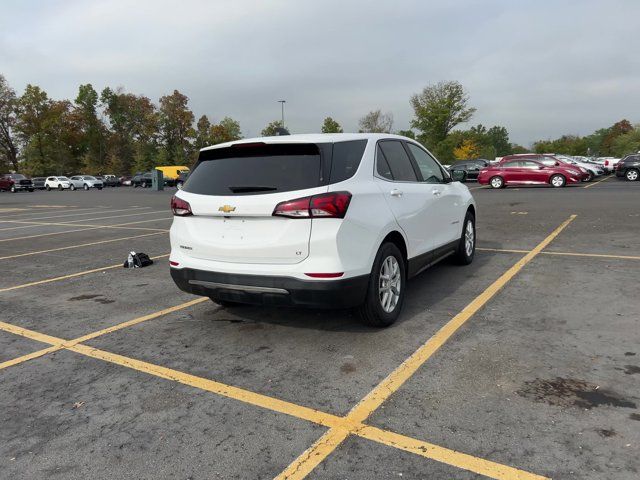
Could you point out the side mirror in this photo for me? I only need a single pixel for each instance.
(457, 175)
(541, 167)
(557, 164)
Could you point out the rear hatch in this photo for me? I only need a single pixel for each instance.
(233, 192)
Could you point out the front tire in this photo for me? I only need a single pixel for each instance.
(13, 189)
(467, 245)
(632, 175)
(557, 181)
(60, 187)
(72, 187)
(387, 284)
(48, 188)
(496, 182)
(85, 186)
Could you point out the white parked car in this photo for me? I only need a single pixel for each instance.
(593, 169)
(608, 163)
(335, 220)
(61, 183)
(86, 182)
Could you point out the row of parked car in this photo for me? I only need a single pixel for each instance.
(545, 169)
(17, 182)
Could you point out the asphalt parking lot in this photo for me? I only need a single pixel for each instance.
(523, 365)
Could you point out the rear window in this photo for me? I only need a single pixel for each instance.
(258, 168)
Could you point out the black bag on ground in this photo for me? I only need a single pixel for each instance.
(137, 260)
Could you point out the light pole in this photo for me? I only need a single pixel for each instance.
(282, 102)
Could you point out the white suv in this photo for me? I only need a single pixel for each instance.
(335, 220)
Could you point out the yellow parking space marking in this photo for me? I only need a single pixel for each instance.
(30, 356)
(83, 229)
(478, 188)
(79, 214)
(71, 275)
(59, 344)
(446, 455)
(33, 224)
(138, 320)
(314, 455)
(69, 247)
(49, 224)
(568, 254)
(37, 209)
(596, 183)
(374, 399)
(339, 427)
(7, 210)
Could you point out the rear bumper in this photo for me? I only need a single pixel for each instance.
(272, 290)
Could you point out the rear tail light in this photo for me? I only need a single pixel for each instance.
(180, 208)
(326, 205)
(606, 163)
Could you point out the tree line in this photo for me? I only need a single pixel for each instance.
(115, 131)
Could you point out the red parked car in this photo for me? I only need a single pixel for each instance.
(15, 182)
(529, 170)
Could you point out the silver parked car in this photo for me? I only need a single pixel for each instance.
(86, 182)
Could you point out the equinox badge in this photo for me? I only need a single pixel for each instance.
(227, 209)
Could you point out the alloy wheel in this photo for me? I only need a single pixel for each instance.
(469, 238)
(632, 175)
(389, 284)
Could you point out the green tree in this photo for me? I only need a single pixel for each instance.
(499, 139)
(203, 133)
(271, 129)
(407, 133)
(376, 122)
(176, 127)
(331, 126)
(134, 125)
(438, 109)
(8, 118)
(627, 143)
(92, 129)
(227, 130)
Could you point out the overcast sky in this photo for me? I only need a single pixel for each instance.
(540, 68)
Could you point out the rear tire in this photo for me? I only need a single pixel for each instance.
(496, 182)
(13, 189)
(632, 175)
(60, 187)
(72, 187)
(31, 189)
(47, 188)
(85, 186)
(557, 180)
(467, 245)
(385, 296)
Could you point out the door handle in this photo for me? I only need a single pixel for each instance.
(436, 192)
(396, 193)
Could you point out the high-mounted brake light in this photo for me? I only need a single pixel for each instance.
(180, 208)
(326, 205)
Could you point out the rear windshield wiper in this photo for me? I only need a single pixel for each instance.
(252, 188)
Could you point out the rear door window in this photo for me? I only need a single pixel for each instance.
(254, 169)
(398, 161)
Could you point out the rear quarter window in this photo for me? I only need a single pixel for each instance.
(346, 159)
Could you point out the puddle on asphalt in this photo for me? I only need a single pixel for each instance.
(567, 392)
(95, 297)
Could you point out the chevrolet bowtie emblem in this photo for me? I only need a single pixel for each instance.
(227, 209)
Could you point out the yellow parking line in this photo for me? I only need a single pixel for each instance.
(446, 455)
(374, 399)
(83, 229)
(569, 254)
(30, 356)
(69, 247)
(72, 275)
(599, 181)
(49, 224)
(478, 188)
(37, 209)
(79, 214)
(339, 427)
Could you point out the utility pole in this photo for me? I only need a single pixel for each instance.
(282, 102)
